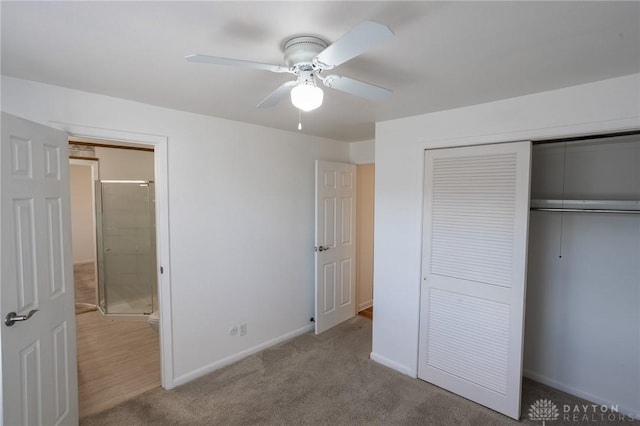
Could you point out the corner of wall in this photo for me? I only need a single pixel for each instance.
(362, 152)
(411, 372)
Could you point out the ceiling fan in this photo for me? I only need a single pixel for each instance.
(308, 57)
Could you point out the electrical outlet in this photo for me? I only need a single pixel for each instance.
(233, 330)
(243, 329)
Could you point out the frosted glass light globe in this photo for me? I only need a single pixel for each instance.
(306, 97)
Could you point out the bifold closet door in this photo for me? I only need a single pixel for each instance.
(476, 211)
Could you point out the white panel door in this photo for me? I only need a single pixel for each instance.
(476, 214)
(39, 373)
(335, 258)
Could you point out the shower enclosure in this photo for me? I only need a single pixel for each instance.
(126, 247)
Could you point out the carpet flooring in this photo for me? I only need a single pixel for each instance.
(321, 380)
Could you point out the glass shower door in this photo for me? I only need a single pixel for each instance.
(102, 304)
(126, 247)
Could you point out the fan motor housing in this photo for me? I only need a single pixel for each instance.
(301, 50)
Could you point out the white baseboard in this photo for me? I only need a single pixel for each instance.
(393, 365)
(82, 262)
(185, 378)
(628, 411)
(365, 305)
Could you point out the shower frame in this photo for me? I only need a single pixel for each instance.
(127, 282)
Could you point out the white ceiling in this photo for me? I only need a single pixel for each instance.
(444, 54)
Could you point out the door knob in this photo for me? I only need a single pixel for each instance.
(323, 248)
(12, 317)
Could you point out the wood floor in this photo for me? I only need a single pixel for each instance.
(367, 313)
(85, 283)
(117, 360)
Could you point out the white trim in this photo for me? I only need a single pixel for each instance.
(161, 171)
(81, 131)
(122, 317)
(394, 365)
(185, 378)
(579, 393)
(124, 181)
(365, 305)
(535, 134)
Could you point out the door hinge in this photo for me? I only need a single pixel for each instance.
(161, 270)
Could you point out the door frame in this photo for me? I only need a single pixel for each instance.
(161, 169)
(95, 167)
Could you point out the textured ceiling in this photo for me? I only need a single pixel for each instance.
(444, 54)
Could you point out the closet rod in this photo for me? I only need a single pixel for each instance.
(542, 209)
(585, 205)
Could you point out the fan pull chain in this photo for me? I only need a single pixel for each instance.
(299, 120)
(564, 174)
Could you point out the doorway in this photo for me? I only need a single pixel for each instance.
(82, 173)
(113, 227)
(364, 238)
(583, 280)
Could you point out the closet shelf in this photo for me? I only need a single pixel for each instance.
(588, 206)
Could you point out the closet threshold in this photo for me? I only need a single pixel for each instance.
(586, 206)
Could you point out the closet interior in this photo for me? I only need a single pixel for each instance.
(582, 322)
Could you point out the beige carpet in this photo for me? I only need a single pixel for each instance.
(319, 380)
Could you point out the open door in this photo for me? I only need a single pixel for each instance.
(39, 373)
(335, 257)
(476, 215)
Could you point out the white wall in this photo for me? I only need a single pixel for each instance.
(241, 212)
(597, 107)
(82, 216)
(362, 152)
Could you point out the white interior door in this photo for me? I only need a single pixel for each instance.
(39, 373)
(476, 214)
(335, 257)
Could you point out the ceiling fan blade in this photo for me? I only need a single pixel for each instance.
(357, 87)
(216, 60)
(363, 37)
(277, 95)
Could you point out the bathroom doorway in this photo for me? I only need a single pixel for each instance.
(115, 271)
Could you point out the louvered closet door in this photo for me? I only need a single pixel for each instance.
(476, 210)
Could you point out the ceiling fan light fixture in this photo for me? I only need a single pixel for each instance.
(306, 96)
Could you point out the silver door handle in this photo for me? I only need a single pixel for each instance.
(12, 317)
(322, 248)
